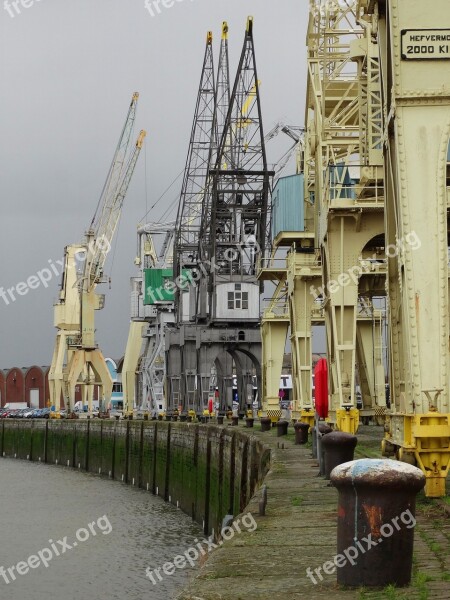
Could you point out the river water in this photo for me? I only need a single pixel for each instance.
(41, 505)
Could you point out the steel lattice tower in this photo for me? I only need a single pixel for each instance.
(219, 332)
(194, 188)
(240, 192)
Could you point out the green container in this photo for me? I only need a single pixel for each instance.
(160, 286)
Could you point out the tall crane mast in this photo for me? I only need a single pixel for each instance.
(223, 87)
(76, 358)
(223, 97)
(240, 190)
(194, 187)
(222, 325)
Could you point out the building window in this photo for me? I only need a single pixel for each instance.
(230, 300)
(237, 300)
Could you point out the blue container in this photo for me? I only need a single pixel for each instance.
(288, 205)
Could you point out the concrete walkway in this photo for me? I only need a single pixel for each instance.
(299, 531)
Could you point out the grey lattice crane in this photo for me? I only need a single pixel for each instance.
(193, 190)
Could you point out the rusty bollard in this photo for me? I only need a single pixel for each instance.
(282, 428)
(266, 423)
(235, 421)
(249, 422)
(301, 432)
(339, 447)
(376, 520)
(323, 429)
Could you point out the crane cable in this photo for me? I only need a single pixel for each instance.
(163, 194)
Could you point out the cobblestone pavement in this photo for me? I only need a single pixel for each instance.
(299, 531)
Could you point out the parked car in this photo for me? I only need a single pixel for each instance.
(45, 413)
(21, 412)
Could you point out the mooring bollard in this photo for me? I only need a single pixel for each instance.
(183, 418)
(266, 423)
(249, 422)
(376, 520)
(323, 429)
(282, 428)
(234, 421)
(339, 447)
(301, 432)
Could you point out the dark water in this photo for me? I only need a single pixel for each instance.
(39, 503)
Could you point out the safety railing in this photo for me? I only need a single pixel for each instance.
(360, 184)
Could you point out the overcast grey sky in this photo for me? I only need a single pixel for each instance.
(68, 69)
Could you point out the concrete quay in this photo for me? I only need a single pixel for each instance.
(299, 531)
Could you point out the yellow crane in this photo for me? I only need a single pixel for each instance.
(77, 360)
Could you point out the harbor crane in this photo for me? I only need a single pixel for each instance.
(77, 360)
(375, 204)
(152, 310)
(218, 317)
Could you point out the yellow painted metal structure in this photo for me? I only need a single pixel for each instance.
(415, 42)
(337, 266)
(130, 365)
(344, 176)
(335, 261)
(77, 361)
(370, 353)
(376, 169)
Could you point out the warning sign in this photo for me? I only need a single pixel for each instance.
(425, 44)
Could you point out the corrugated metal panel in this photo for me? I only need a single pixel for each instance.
(158, 286)
(288, 205)
(134, 305)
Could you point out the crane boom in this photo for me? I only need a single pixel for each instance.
(108, 224)
(117, 166)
